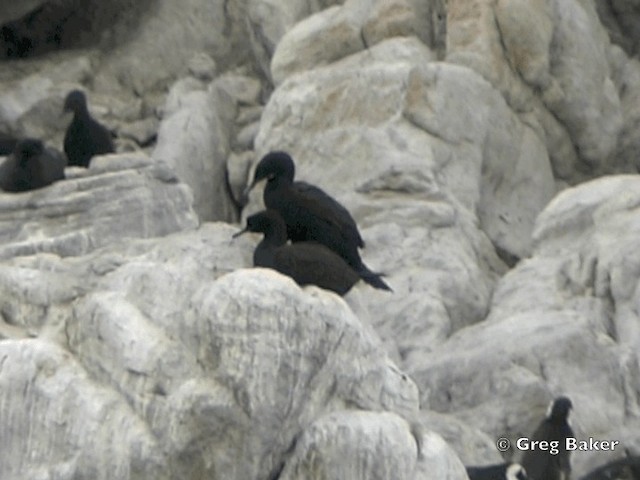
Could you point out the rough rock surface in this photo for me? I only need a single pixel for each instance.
(488, 150)
(119, 196)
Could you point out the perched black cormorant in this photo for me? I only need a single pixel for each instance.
(85, 137)
(552, 463)
(502, 471)
(31, 166)
(308, 263)
(312, 215)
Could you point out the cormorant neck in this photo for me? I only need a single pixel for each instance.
(274, 237)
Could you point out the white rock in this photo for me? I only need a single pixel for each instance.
(194, 140)
(54, 417)
(355, 445)
(119, 196)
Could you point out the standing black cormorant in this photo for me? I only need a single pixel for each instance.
(85, 137)
(308, 263)
(552, 463)
(312, 215)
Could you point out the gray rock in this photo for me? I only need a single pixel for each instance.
(318, 40)
(148, 61)
(246, 136)
(367, 445)
(565, 58)
(238, 171)
(269, 20)
(57, 414)
(193, 139)
(120, 196)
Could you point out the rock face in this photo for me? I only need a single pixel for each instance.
(119, 196)
(487, 151)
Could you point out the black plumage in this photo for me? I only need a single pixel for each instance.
(31, 166)
(501, 471)
(7, 144)
(312, 215)
(308, 263)
(85, 137)
(551, 464)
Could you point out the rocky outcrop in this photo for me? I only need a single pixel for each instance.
(120, 196)
(480, 146)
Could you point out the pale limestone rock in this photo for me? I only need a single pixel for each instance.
(269, 20)
(336, 32)
(161, 49)
(243, 89)
(119, 196)
(472, 446)
(194, 140)
(437, 459)
(367, 445)
(627, 81)
(561, 52)
(238, 174)
(388, 19)
(54, 426)
(317, 40)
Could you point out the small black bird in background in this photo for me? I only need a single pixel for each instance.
(545, 464)
(501, 471)
(308, 263)
(85, 137)
(311, 215)
(31, 166)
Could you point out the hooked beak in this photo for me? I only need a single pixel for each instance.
(237, 234)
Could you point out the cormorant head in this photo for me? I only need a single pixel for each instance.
(560, 409)
(268, 222)
(76, 101)
(274, 165)
(515, 471)
(27, 149)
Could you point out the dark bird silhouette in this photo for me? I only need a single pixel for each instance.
(501, 471)
(31, 166)
(85, 137)
(551, 464)
(308, 263)
(627, 468)
(7, 144)
(312, 215)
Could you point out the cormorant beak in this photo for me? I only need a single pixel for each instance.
(237, 234)
(245, 194)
